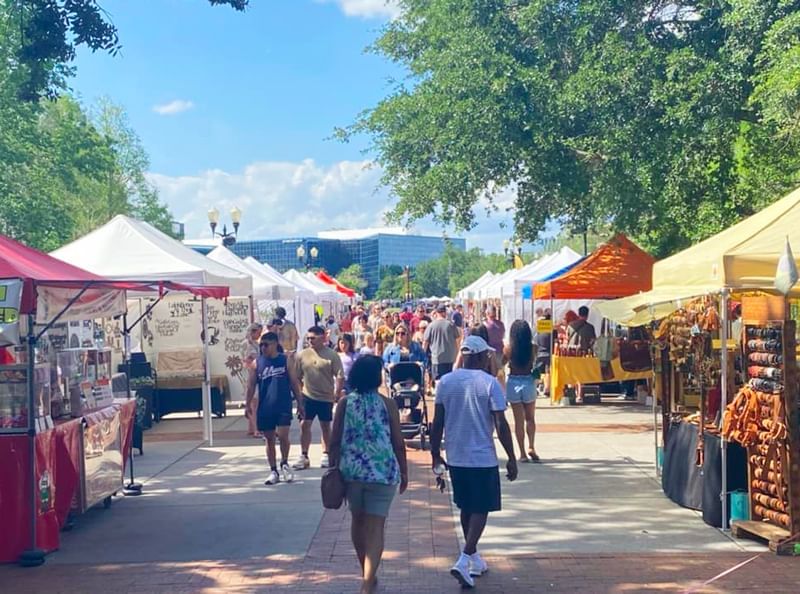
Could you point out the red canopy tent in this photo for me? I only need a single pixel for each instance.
(51, 291)
(329, 280)
(618, 268)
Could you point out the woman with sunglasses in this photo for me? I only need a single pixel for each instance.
(403, 348)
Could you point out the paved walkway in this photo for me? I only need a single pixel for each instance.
(590, 519)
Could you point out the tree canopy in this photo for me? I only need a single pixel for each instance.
(668, 120)
(352, 277)
(64, 170)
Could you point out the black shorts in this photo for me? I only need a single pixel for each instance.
(440, 369)
(476, 490)
(317, 408)
(268, 420)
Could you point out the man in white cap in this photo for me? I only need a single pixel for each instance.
(470, 405)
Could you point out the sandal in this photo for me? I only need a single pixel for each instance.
(523, 460)
(534, 457)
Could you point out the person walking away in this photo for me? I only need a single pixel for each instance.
(319, 368)
(368, 448)
(251, 355)
(275, 379)
(580, 333)
(521, 388)
(403, 348)
(289, 336)
(347, 353)
(497, 332)
(469, 407)
(441, 338)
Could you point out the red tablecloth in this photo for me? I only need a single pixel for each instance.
(58, 457)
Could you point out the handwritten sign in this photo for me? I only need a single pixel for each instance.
(544, 326)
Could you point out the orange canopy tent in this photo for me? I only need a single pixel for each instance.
(617, 268)
(329, 280)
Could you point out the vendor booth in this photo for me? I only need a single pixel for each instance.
(617, 268)
(329, 280)
(64, 439)
(734, 275)
(192, 344)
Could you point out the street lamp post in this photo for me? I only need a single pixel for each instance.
(228, 239)
(307, 256)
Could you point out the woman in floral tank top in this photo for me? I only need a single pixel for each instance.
(368, 448)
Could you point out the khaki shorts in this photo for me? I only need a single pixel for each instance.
(371, 498)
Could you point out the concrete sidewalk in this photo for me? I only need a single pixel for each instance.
(591, 518)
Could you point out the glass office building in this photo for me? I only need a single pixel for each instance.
(372, 249)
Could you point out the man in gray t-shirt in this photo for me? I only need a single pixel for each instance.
(441, 337)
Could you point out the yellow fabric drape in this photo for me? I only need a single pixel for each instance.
(585, 370)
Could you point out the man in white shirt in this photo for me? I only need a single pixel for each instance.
(470, 405)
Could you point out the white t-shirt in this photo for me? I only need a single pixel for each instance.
(469, 397)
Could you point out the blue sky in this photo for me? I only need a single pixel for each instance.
(237, 108)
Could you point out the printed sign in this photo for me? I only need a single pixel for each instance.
(10, 299)
(544, 326)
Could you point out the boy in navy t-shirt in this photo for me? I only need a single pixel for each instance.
(275, 379)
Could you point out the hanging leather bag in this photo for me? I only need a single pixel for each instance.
(634, 355)
(332, 485)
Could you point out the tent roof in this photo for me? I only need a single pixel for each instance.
(264, 287)
(275, 275)
(128, 248)
(741, 257)
(546, 265)
(316, 282)
(617, 268)
(476, 283)
(329, 280)
(303, 281)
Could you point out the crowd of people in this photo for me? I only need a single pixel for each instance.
(473, 366)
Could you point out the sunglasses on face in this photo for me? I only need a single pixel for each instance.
(400, 333)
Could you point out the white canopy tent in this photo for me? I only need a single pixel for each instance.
(511, 289)
(125, 248)
(300, 308)
(468, 292)
(264, 287)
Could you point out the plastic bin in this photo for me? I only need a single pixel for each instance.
(740, 506)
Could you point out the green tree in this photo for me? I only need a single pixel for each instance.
(455, 269)
(352, 277)
(665, 120)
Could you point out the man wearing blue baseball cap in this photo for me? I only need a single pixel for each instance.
(470, 405)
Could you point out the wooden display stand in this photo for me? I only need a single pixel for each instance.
(773, 460)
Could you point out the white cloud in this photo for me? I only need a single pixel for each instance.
(173, 107)
(284, 199)
(367, 9)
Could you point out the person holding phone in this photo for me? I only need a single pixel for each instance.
(470, 406)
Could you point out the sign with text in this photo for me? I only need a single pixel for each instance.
(544, 326)
(10, 299)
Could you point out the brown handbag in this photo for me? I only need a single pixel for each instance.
(634, 356)
(332, 488)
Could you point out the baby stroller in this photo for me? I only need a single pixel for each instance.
(407, 388)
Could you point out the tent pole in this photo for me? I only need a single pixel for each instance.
(207, 429)
(32, 557)
(132, 489)
(252, 309)
(723, 444)
(552, 351)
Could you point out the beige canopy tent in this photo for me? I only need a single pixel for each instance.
(740, 258)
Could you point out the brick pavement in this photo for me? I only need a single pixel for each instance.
(421, 545)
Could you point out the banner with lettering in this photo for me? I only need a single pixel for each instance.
(10, 298)
(91, 305)
(176, 323)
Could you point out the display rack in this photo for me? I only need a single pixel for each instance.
(769, 429)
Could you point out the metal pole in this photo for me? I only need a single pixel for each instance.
(723, 444)
(33, 557)
(207, 429)
(132, 489)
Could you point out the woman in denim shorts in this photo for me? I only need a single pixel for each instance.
(521, 388)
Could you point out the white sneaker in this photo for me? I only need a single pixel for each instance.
(477, 566)
(272, 479)
(460, 571)
(324, 462)
(302, 463)
(287, 474)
